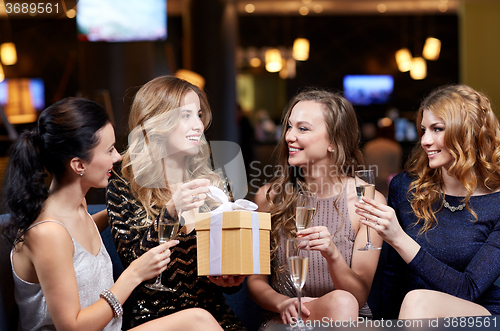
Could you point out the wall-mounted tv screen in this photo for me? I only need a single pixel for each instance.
(121, 20)
(366, 90)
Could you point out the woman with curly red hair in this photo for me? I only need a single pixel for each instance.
(443, 223)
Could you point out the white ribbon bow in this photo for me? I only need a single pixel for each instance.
(241, 204)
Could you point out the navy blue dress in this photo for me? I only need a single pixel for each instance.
(460, 256)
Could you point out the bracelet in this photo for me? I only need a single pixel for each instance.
(113, 302)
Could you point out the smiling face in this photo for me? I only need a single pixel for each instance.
(432, 141)
(184, 140)
(104, 155)
(307, 136)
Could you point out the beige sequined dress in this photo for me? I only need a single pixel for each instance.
(318, 281)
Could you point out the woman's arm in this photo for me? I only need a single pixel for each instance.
(481, 272)
(258, 285)
(101, 219)
(50, 249)
(357, 278)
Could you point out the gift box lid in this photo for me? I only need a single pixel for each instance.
(237, 219)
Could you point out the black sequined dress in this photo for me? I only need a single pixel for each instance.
(134, 235)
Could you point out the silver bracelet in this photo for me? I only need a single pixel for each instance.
(113, 302)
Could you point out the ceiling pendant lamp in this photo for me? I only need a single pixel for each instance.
(191, 77)
(418, 68)
(273, 60)
(300, 49)
(432, 48)
(8, 54)
(404, 59)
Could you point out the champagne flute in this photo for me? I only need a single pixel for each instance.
(167, 230)
(297, 253)
(365, 186)
(307, 204)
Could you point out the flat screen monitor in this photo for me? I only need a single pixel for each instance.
(366, 90)
(121, 20)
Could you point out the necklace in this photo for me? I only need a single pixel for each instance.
(452, 208)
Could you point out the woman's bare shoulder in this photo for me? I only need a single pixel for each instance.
(261, 198)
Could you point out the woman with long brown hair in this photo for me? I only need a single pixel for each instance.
(318, 152)
(443, 221)
(167, 163)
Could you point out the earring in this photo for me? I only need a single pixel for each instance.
(330, 150)
(81, 173)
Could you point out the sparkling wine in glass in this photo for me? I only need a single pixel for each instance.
(307, 204)
(365, 187)
(297, 253)
(167, 230)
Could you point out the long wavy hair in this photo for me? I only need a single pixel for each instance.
(472, 137)
(65, 130)
(154, 115)
(342, 127)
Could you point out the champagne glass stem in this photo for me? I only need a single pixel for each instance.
(158, 280)
(299, 296)
(368, 241)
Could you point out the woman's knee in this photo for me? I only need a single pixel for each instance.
(342, 300)
(201, 317)
(414, 302)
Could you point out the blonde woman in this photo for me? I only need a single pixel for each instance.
(167, 164)
(318, 152)
(443, 223)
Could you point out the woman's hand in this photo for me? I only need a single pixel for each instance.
(320, 240)
(153, 262)
(227, 281)
(381, 218)
(288, 309)
(188, 196)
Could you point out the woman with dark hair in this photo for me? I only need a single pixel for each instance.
(318, 152)
(443, 218)
(167, 163)
(62, 271)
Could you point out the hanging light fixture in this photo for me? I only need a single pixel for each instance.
(404, 59)
(192, 77)
(301, 49)
(8, 53)
(418, 68)
(273, 60)
(432, 48)
(2, 75)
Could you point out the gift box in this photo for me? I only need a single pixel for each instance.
(233, 243)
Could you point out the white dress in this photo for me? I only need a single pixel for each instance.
(93, 275)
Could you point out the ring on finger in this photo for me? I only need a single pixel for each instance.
(196, 198)
(319, 235)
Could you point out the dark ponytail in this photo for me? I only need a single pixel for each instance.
(65, 130)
